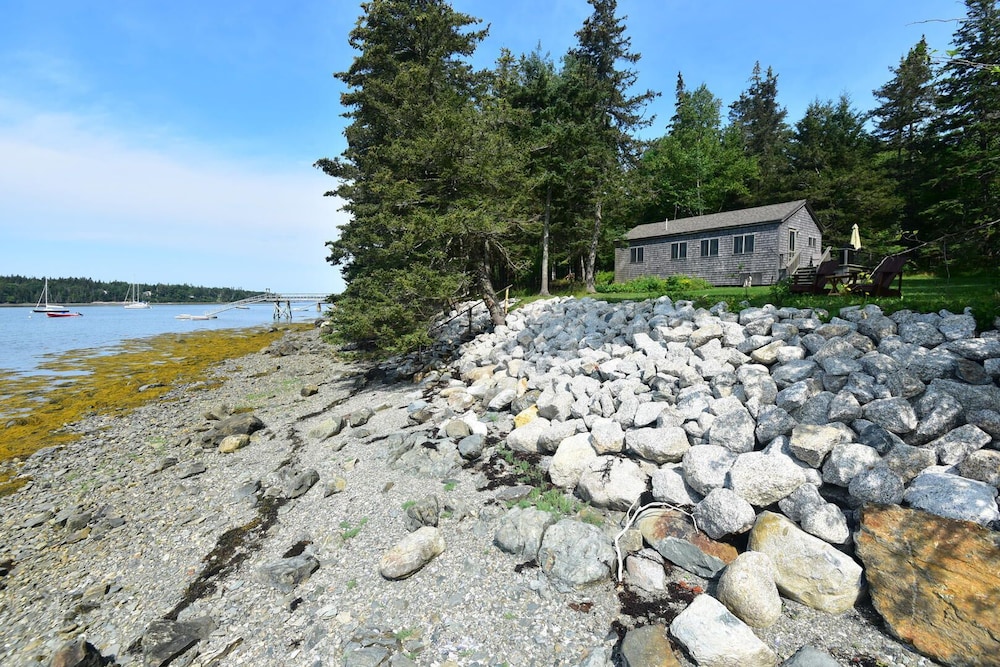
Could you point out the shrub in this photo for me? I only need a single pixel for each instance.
(673, 286)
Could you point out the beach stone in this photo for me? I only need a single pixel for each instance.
(982, 465)
(733, 430)
(287, 573)
(296, 483)
(748, 590)
(811, 443)
(807, 569)
(714, 637)
(827, 522)
(423, 512)
(470, 447)
(574, 554)
(612, 482)
(246, 423)
(659, 445)
(521, 530)
(327, 428)
(878, 484)
(810, 656)
(231, 443)
(723, 512)
(934, 581)
(648, 646)
(773, 421)
(360, 417)
(847, 460)
(607, 436)
(707, 466)
(669, 486)
(412, 553)
(165, 641)
(645, 570)
(762, 479)
(876, 437)
(893, 414)
(572, 457)
(953, 497)
(77, 652)
(673, 536)
(955, 445)
(525, 438)
(908, 462)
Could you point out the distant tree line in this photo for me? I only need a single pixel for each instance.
(461, 182)
(23, 290)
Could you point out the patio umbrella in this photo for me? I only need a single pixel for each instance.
(855, 237)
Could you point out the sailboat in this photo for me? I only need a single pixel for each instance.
(43, 305)
(132, 299)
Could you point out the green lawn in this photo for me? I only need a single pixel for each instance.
(921, 293)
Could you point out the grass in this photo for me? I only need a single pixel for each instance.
(35, 409)
(350, 531)
(922, 293)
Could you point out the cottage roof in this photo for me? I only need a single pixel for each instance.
(741, 218)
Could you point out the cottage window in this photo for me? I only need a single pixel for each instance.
(679, 250)
(635, 255)
(743, 245)
(792, 236)
(710, 247)
(812, 242)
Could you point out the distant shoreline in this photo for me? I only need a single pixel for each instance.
(121, 303)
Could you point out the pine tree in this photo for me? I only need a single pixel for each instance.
(607, 117)
(968, 166)
(429, 176)
(761, 124)
(904, 117)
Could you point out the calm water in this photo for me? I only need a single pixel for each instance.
(27, 338)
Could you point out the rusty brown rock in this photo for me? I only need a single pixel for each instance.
(677, 540)
(935, 581)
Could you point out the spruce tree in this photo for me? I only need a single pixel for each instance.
(761, 124)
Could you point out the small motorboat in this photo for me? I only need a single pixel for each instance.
(66, 314)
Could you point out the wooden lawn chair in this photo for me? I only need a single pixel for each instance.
(888, 270)
(819, 279)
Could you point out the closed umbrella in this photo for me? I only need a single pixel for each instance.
(855, 237)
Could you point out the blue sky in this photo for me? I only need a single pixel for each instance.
(173, 142)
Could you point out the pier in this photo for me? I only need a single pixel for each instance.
(282, 304)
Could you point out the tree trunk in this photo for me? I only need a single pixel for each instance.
(486, 289)
(595, 238)
(544, 291)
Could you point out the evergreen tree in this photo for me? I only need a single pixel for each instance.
(698, 167)
(967, 183)
(904, 117)
(427, 175)
(607, 115)
(761, 124)
(833, 166)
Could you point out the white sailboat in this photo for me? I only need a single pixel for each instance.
(132, 301)
(43, 305)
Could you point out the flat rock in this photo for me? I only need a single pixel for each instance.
(648, 646)
(934, 581)
(953, 497)
(574, 554)
(673, 536)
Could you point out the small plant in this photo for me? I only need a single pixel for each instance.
(352, 584)
(350, 531)
(408, 504)
(404, 634)
(450, 485)
(780, 291)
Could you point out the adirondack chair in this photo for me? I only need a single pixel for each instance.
(888, 270)
(817, 285)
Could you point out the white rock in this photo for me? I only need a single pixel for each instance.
(714, 637)
(748, 590)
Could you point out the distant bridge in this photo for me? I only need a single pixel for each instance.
(282, 304)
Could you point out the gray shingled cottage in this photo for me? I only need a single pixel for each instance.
(763, 244)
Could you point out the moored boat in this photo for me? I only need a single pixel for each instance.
(43, 305)
(63, 314)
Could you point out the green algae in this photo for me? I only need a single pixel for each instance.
(35, 410)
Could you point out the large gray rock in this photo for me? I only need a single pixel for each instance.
(572, 457)
(893, 414)
(669, 486)
(164, 641)
(811, 443)
(954, 446)
(733, 430)
(714, 637)
(525, 438)
(762, 479)
(748, 590)
(773, 421)
(574, 554)
(953, 497)
(847, 460)
(807, 569)
(707, 466)
(287, 573)
(878, 484)
(412, 553)
(612, 482)
(521, 530)
(659, 445)
(607, 436)
(722, 512)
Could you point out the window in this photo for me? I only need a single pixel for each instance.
(710, 247)
(679, 250)
(792, 235)
(812, 242)
(743, 245)
(635, 255)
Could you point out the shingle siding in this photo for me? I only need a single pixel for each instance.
(763, 265)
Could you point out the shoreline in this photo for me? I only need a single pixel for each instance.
(270, 554)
